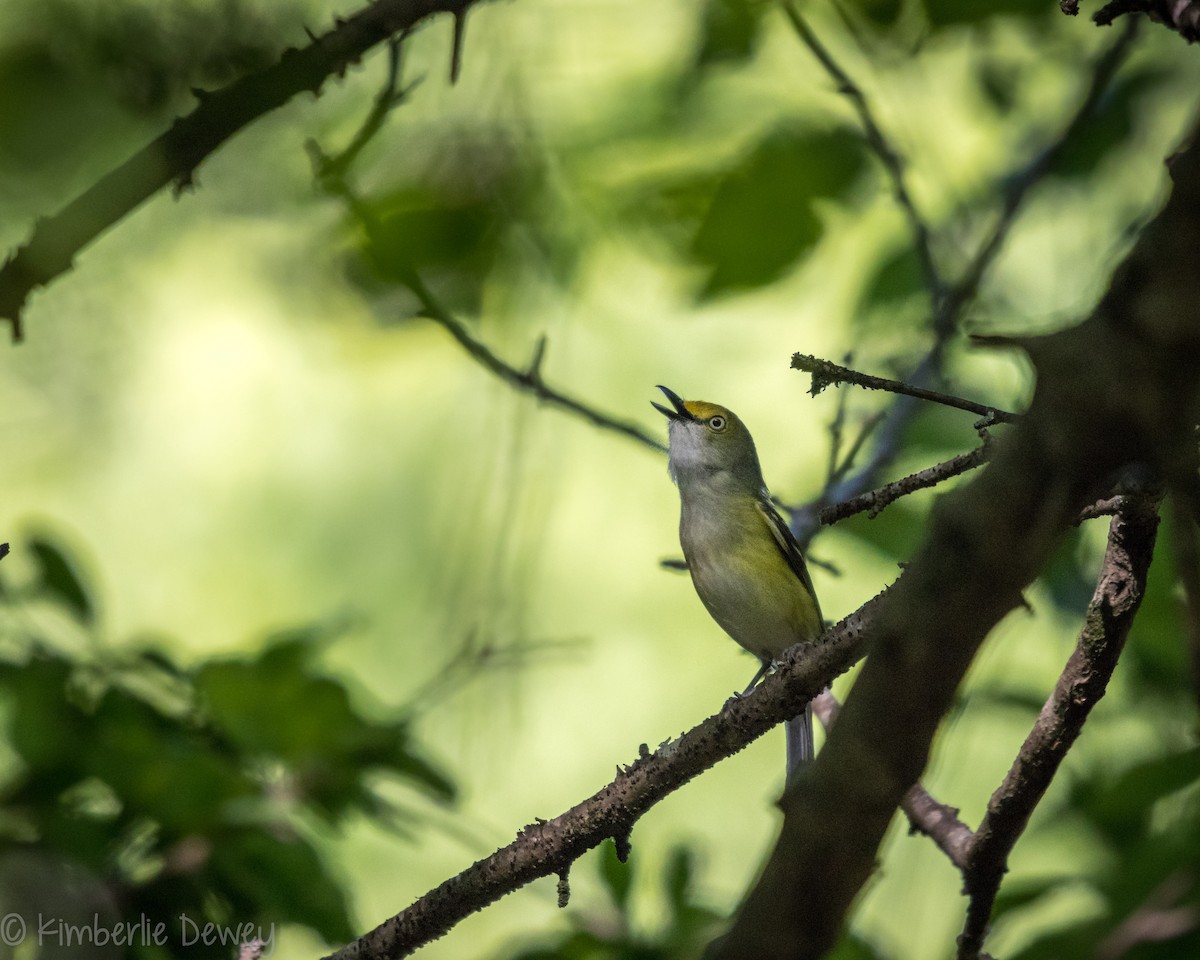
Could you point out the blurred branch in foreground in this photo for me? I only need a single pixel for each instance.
(174, 156)
(986, 542)
(982, 855)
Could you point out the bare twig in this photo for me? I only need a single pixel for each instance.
(926, 815)
(174, 156)
(877, 500)
(1182, 16)
(1105, 507)
(827, 373)
(548, 847)
(332, 171)
(883, 148)
(1119, 591)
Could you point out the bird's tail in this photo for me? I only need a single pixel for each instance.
(799, 741)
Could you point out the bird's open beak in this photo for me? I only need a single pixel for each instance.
(679, 413)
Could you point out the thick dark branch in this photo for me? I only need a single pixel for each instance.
(1119, 591)
(826, 373)
(876, 500)
(1131, 402)
(174, 156)
(1187, 562)
(878, 141)
(926, 815)
(1182, 16)
(549, 847)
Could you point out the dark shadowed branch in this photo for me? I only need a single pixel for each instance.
(1182, 16)
(549, 847)
(826, 373)
(925, 815)
(1119, 591)
(875, 500)
(1132, 402)
(174, 156)
(1187, 562)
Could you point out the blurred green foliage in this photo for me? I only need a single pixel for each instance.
(139, 785)
(187, 795)
(609, 931)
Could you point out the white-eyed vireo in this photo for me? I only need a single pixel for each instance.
(744, 561)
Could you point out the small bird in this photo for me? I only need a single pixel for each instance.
(745, 563)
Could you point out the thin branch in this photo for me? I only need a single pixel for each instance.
(878, 141)
(877, 500)
(1104, 507)
(1119, 591)
(331, 173)
(549, 847)
(926, 815)
(529, 379)
(1019, 184)
(826, 373)
(174, 156)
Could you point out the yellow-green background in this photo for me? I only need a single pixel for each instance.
(234, 436)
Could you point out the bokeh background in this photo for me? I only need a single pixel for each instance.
(266, 518)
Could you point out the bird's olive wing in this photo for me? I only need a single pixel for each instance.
(789, 548)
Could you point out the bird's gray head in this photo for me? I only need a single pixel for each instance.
(709, 443)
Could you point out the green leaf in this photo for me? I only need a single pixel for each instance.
(730, 31)
(898, 279)
(761, 220)
(285, 881)
(278, 706)
(1112, 124)
(617, 876)
(59, 580)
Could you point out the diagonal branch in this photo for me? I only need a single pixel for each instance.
(1019, 184)
(332, 173)
(1119, 591)
(549, 847)
(174, 156)
(926, 815)
(876, 500)
(878, 141)
(954, 301)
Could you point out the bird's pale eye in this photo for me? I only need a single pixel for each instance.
(717, 422)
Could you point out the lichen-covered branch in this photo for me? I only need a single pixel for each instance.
(549, 847)
(174, 156)
(1118, 594)
(875, 500)
(826, 373)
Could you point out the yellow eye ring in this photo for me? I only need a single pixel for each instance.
(717, 422)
